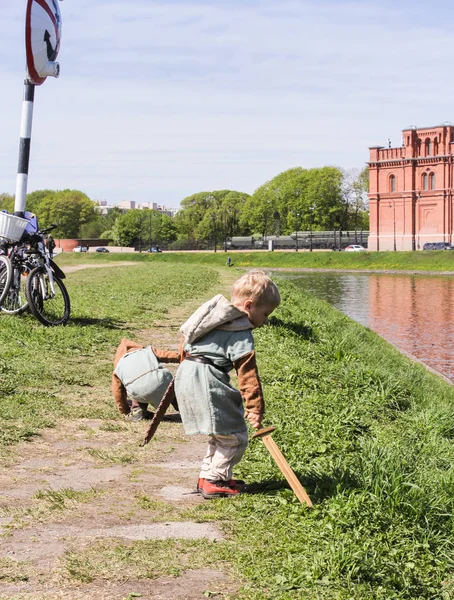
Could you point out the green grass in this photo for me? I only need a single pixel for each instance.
(41, 367)
(369, 433)
(60, 499)
(406, 261)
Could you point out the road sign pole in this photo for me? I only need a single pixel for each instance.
(24, 148)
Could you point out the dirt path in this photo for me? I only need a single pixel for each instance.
(87, 481)
(73, 268)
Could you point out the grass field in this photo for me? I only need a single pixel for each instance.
(369, 433)
(406, 261)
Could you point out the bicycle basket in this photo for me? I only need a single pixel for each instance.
(12, 227)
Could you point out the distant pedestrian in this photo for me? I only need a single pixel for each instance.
(50, 245)
(229, 261)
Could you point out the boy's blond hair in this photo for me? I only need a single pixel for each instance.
(257, 286)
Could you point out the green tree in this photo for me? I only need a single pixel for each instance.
(324, 196)
(7, 202)
(164, 230)
(295, 199)
(108, 222)
(200, 215)
(92, 230)
(258, 211)
(34, 199)
(143, 228)
(128, 227)
(192, 212)
(68, 209)
(355, 185)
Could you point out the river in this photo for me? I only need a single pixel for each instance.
(414, 312)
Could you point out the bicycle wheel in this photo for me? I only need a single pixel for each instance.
(48, 307)
(15, 301)
(6, 274)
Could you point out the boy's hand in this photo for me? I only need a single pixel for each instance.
(255, 419)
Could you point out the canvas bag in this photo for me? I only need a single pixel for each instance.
(143, 376)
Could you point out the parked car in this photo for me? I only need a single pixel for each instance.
(154, 249)
(102, 250)
(437, 246)
(355, 248)
(80, 249)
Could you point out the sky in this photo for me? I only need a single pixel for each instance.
(161, 99)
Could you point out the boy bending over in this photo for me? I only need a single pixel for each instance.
(216, 339)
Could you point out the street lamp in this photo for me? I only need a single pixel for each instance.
(225, 232)
(393, 205)
(297, 228)
(149, 232)
(311, 218)
(213, 216)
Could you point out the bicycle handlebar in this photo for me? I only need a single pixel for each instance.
(44, 231)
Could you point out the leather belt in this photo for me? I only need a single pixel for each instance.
(204, 360)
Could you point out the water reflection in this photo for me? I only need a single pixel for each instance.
(414, 312)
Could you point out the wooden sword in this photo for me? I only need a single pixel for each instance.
(286, 470)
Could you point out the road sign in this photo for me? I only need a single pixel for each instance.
(42, 39)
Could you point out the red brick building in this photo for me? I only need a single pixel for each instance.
(411, 190)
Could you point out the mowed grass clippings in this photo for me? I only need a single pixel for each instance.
(122, 561)
(51, 372)
(370, 434)
(14, 571)
(434, 260)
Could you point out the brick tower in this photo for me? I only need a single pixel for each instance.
(412, 190)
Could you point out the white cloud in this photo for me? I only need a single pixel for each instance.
(158, 100)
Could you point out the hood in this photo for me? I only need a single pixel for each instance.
(217, 313)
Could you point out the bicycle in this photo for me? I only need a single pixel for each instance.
(6, 274)
(45, 291)
(36, 281)
(14, 301)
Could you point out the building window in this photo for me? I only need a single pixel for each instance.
(425, 181)
(431, 181)
(428, 145)
(392, 183)
(418, 147)
(435, 146)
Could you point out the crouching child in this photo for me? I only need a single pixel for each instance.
(139, 379)
(216, 339)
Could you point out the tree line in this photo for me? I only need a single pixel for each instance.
(298, 199)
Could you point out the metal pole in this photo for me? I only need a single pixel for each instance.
(297, 227)
(310, 223)
(214, 231)
(149, 233)
(24, 148)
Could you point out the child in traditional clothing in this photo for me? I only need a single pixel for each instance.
(139, 379)
(216, 339)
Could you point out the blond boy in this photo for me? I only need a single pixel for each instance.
(216, 339)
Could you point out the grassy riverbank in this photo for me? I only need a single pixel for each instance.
(369, 433)
(381, 261)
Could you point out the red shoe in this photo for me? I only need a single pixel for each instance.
(217, 489)
(239, 483)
